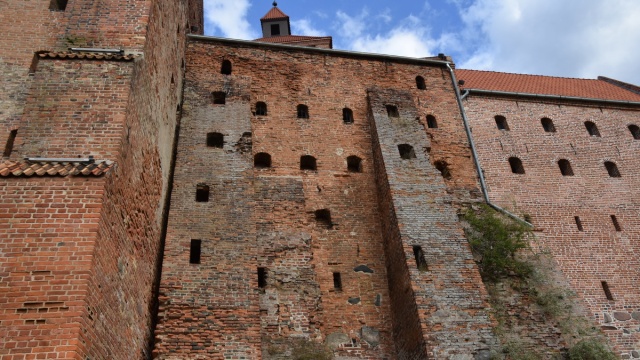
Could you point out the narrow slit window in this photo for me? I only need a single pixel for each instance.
(303, 111)
(323, 217)
(565, 167)
(307, 162)
(406, 151)
(501, 122)
(392, 111)
(354, 164)
(612, 169)
(420, 83)
(226, 67)
(421, 262)
(431, 122)
(219, 97)
(592, 129)
(443, 167)
(578, 223)
(215, 140)
(8, 148)
(262, 160)
(58, 5)
(607, 291)
(347, 116)
(337, 281)
(194, 251)
(262, 277)
(635, 131)
(261, 108)
(516, 165)
(615, 222)
(547, 125)
(202, 193)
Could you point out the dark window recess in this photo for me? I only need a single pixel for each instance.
(202, 193)
(303, 112)
(516, 165)
(612, 169)
(578, 223)
(323, 217)
(592, 129)
(195, 251)
(421, 262)
(226, 67)
(443, 167)
(262, 277)
(615, 222)
(262, 160)
(354, 164)
(565, 167)
(347, 116)
(219, 97)
(307, 162)
(261, 108)
(392, 111)
(420, 83)
(215, 140)
(58, 5)
(635, 131)
(195, 29)
(607, 291)
(337, 281)
(547, 125)
(275, 29)
(406, 151)
(8, 148)
(501, 122)
(431, 122)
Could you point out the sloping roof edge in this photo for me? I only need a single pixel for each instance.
(26, 168)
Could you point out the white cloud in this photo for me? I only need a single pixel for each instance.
(351, 26)
(228, 18)
(304, 27)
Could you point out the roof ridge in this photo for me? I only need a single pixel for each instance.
(521, 74)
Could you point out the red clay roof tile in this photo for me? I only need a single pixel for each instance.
(292, 38)
(27, 168)
(275, 14)
(86, 56)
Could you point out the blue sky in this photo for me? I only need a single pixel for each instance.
(569, 38)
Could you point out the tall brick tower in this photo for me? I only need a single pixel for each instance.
(87, 122)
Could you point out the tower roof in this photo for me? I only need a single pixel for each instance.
(275, 14)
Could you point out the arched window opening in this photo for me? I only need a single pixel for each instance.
(58, 5)
(421, 261)
(443, 167)
(547, 125)
(635, 131)
(226, 68)
(215, 140)
(431, 122)
(420, 83)
(354, 164)
(307, 162)
(219, 97)
(592, 129)
(501, 123)
(392, 111)
(565, 167)
(262, 160)
(303, 111)
(323, 217)
(612, 169)
(261, 108)
(347, 116)
(516, 165)
(406, 151)
(202, 193)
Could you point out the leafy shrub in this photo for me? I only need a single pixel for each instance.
(590, 349)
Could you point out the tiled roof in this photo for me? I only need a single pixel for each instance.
(27, 168)
(286, 39)
(545, 85)
(275, 14)
(86, 55)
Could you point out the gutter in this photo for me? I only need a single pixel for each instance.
(552, 97)
(483, 184)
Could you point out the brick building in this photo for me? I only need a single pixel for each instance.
(165, 194)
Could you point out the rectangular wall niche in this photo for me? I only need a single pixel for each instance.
(194, 251)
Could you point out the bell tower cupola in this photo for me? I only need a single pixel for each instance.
(275, 23)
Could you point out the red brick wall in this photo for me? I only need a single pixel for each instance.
(599, 253)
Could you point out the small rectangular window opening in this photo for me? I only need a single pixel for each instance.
(615, 222)
(58, 5)
(421, 262)
(8, 148)
(219, 97)
(194, 253)
(607, 291)
(262, 277)
(202, 193)
(275, 29)
(578, 223)
(392, 111)
(337, 281)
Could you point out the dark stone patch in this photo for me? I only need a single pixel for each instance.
(607, 318)
(635, 315)
(608, 328)
(378, 300)
(354, 301)
(622, 316)
(370, 335)
(364, 269)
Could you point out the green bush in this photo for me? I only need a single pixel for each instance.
(590, 349)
